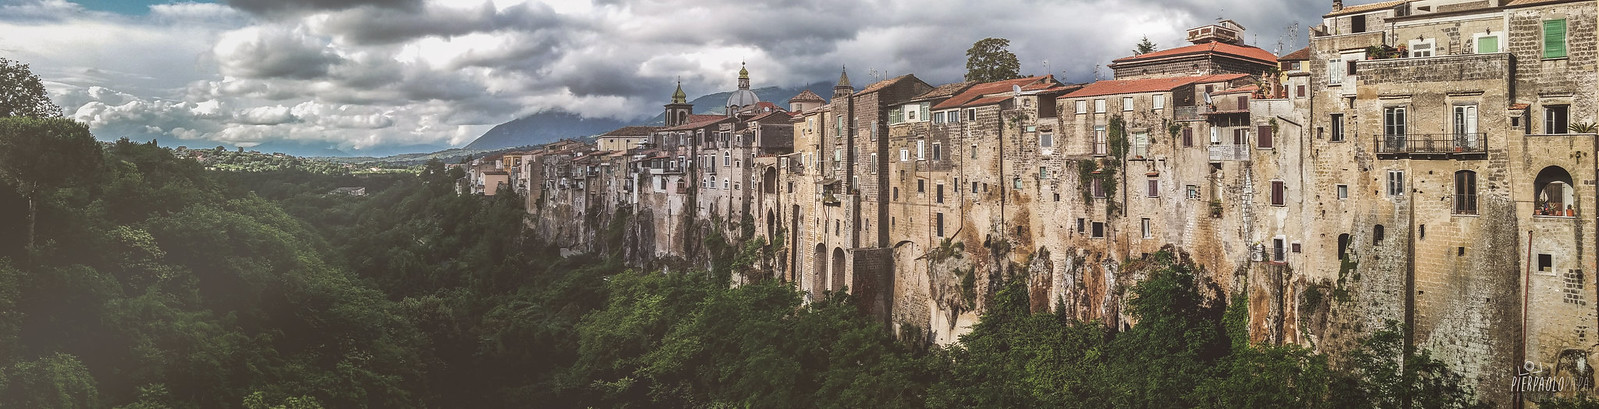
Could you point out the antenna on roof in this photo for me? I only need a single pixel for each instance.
(1046, 66)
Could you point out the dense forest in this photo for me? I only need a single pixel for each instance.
(155, 283)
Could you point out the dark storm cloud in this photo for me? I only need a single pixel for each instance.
(279, 8)
(375, 26)
(274, 52)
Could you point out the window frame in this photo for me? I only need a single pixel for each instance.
(1549, 50)
(1279, 193)
(1396, 183)
(1476, 43)
(1152, 188)
(1336, 123)
(1099, 106)
(1465, 200)
(1550, 123)
(1127, 104)
(1157, 101)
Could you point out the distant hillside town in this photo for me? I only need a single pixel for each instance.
(1426, 162)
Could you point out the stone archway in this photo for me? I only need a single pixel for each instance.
(816, 278)
(837, 271)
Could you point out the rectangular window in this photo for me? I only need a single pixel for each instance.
(1279, 249)
(921, 149)
(971, 114)
(1082, 106)
(1193, 191)
(953, 116)
(1278, 193)
(904, 155)
(1046, 140)
(1215, 136)
(1149, 231)
(895, 115)
(1555, 119)
(1336, 128)
(874, 162)
(1465, 192)
(838, 158)
(1097, 188)
(1188, 137)
(1099, 230)
(939, 192)
(1487, 44)
(921, 185)
(938, 223)
(938, 117)
(1393, 129)
(1140, 145)
(974, 187)
(1357, 23)
(1158, 101)
(938, 151)
(1335, 72)
(1043, 172)
(1299, 91)
(1127, 103)
(1099, 106)
(1263, 137)
(1554, 38)
(1154, 188)
(1546, 262)
(1100, 145)
(1343, 192)
(1466, 126)
(1396, 183)
(1080, 225)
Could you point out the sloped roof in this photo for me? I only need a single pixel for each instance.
(1239, 90)
(1363, 8)
(1253, 53)
(1302, 55)
(878, 86)
(1112, 87)
(945, 90)
(973, 94)
(807, 96)
(631, 131)
(697, 121)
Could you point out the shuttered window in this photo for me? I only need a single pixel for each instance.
(1278, 193)
(1554, 38)
(1264, 139)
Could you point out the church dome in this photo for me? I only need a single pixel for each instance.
(743, 98)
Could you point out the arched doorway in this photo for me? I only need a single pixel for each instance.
(816, 279)
(769, 181)
(838, 269)
(1555, 193)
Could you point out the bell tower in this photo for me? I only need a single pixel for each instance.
(678, 111)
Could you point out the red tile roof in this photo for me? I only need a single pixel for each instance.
(632, 131)
(1520, 107)
(697, 121)
(946, 90)
(885, 83)
(807, 96)
(977, 93)
(1112, 87)
(1363, 8)
(1239, 90)
(1302, 55)
(1253, 53)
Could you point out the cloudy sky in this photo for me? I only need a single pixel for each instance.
(388, 76)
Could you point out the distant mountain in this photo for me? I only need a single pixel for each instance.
(713, 104)
(541, 128)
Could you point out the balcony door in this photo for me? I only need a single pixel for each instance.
(1466, 126)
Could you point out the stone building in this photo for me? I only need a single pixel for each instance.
(1450, 137)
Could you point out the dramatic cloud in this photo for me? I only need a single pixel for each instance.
(369, 75)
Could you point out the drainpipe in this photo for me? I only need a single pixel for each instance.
(1526, 295)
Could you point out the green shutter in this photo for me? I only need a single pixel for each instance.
(1487, 45)
(1554, 38)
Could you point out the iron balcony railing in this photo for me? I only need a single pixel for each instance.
(1433, 144)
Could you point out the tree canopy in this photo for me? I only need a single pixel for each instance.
(989, 60)
(22, 94)
(1144, 47)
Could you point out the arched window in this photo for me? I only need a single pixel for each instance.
(1555, 193)
(1343, 246)
(1465, 192)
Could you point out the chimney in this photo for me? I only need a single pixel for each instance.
(1338, 5)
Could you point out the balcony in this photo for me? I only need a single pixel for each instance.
(1461, 146)
(1229, 153)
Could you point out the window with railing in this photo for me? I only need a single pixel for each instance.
(1393, 127)
(1465, 192)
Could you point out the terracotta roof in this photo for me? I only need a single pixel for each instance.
(632, 131)
(807, 96)
(1253, 53)
(946, 90)
(987, 101)
(763, 115)
(1302, 55)
(884, 84)
(1112, 87)
(977, 92)
(1520, 107)
(1366, 8)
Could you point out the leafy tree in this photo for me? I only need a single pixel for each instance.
(1144, 47)
(56, 381)
(988, 60)
(22, 94)
(40, 154)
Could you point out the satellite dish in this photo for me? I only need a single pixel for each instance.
(1016, 90)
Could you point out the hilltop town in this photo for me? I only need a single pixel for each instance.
(1427, 162)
